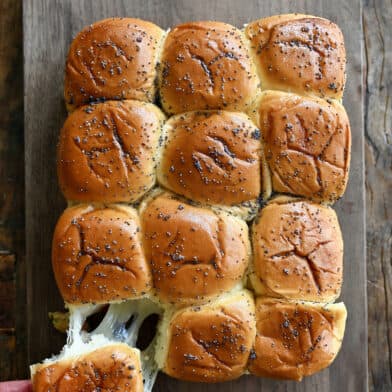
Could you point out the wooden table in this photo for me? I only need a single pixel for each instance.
(377, 19)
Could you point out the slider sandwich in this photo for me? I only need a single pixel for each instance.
(99, 263)
(158, 208)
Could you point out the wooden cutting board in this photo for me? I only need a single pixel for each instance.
(49, 26)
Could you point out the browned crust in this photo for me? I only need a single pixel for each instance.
(107, 151)
(195, 253)
(212, 157)
(110, 368)
(295, 339)
(307, 145)
(114, 58)
(298, 252)
(206, 65)
(211, 343)
(97, 255)
(299, 53)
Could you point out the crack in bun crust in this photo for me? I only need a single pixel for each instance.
(307, 145)
(211, 343)
(297, 252)
(299, 53)
(212, 157)
(206, 65)
(97, 255)
(295, 339)
(194, 253)
(112, 59)
(107, 151)
(107, 369)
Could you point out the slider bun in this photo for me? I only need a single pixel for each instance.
(212, 157)
(209, 343)
(307, 145)
(115, 367)
(294, 340)
(112, 59)
(298, 251)
(107, 151)
(299, 53)
(195, 253)
(97, 255)
(206, 65)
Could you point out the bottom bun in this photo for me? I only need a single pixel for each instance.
(114, 367)
(294, 340)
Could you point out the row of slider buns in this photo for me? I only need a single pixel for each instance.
(298, 142)
(205, 65)
(214, 342)
(115, 151)
(211, 329)
(190, 252)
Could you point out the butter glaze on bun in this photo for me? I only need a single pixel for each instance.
(107, 152)
(297, 251)
(307, 145)
(294, 340)
(97, 255)
(299, 53)
(209, 343)
(253, 111)
(212, 157)
(195, 253)
(111, 368)
(206, 65)
(114, 58)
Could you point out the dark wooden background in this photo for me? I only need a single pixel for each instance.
(24, 332)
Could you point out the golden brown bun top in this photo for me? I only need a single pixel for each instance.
(206, 65)
(298, 251)
(211, 343)
(111, 368)
(212, 157)
(307, 144)
(299, 53)
(295, 339)
(97, 255)
(112, 59)
(107, 151)
(194, 252)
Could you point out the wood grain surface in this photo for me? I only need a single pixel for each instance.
(377, 29)
(49, 26)
(13, 346)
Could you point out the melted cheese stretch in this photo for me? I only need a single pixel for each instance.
(112, 329)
